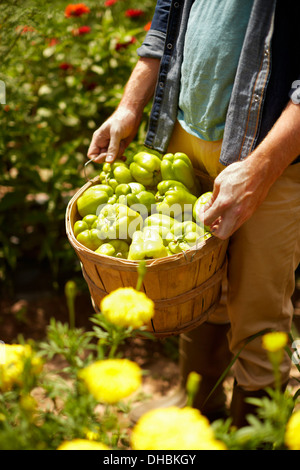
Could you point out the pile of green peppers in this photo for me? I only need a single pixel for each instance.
(145, 207)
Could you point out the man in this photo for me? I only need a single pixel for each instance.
(225, 85)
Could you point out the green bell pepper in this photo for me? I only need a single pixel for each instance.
(115, 248)
(189, 231)
(79, 226)
(160, 220)
(129, 188)
(90, 238)
(88, 222)
(201, 201)
(113, 183)
(118, 170)
(128, 199)
(117, 221)
(113, 199)
(103, 187)
(135, 193)
(147, 201)
(165, 185)
(122, 174)
(162, 231)
(122, 189)
(163, 224)
(107, 172)
(125, 195)
(179, 167)
(136, 187)
(146, 244)
(92, 198)
(184, 235)
(145, 168)
(177, 203)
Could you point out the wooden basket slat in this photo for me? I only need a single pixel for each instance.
(152, 285)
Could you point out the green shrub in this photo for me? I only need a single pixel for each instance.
(64, 75)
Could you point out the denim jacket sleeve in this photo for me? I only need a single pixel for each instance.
(153, 45)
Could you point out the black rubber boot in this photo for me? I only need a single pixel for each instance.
(240, 408)
(205, 351)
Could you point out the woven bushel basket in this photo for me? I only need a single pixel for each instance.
(185, 287)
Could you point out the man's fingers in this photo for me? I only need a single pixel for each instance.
(223, 219)
(212, 213)
(223, 227)
(114, 146)
(105, 144)
(98, 145)
(216, 216)
(93, 150)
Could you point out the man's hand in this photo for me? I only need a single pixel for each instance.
(238, 191)
(242, 186)
(114, 135)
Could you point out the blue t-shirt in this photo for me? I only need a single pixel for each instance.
(213, 43)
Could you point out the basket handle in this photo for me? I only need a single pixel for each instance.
(195, 247)
(85, 165)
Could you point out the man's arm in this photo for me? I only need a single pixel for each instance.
(241, 187)
(115, 134)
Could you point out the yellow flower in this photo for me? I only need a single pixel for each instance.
(192, 383)
(174, 429)
(82, 444)
(28, 403)
(112, 380)
(127, 307)
(274, 341)
(91, 435)
(13, 357)
(292, 432)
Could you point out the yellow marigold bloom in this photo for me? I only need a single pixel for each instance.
(12, 364)
(292, 432)
(92, 435)
(174, 429)
(127, 307)
(112, 380)
(274, 341)
(82, 444)
(28, 403)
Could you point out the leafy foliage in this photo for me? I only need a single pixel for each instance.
(63, 77)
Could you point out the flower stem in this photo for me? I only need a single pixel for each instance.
(141, 274)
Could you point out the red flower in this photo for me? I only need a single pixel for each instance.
(65, 66)
(90, 86)
(26, 29)
(82, 30)
(52, 42)
(76, 10)
(121, 45)
(109, 3)
(147, 26)
(133, 13)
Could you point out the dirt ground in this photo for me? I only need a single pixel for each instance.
(30, 312)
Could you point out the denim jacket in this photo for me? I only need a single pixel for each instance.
(266, 75)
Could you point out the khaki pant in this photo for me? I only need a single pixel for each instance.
(262, 257)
